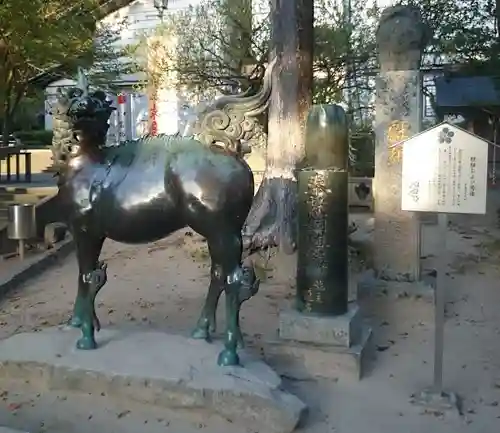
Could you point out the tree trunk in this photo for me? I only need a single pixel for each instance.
(497, 18)
(5, 130)
(272, 219)
(6, 120)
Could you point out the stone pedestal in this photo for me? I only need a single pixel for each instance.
(341, 330)
(154, 368)
(322, 346)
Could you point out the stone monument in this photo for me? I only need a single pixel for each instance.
(401, 38)
(323, 322)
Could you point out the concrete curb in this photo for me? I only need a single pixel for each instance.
(10, 430)
(34, 267)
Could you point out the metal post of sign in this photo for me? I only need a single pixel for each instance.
(440, 306)
(435, 398)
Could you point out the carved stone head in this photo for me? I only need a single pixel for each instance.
(402, 36)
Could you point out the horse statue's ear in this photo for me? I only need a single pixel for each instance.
(83, 82)
(74, 92)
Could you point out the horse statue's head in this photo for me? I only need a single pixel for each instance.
(80, 119)
(89, 116)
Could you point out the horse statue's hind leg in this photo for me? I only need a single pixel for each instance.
(239, 285)
(91, 278)
(207, 323)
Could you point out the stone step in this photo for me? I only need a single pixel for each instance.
(303, 361)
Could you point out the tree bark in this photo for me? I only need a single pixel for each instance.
(497, 18)
(272, 219)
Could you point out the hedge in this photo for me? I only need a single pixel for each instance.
(35, 138)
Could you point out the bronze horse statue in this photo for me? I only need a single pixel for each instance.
(144, 190)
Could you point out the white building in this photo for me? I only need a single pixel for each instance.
(130, 120)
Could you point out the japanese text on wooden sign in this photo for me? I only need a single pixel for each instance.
(445, 170)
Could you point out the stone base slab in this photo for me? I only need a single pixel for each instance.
(438, 403)
(311, 361)
(342, 330)
(154, 368)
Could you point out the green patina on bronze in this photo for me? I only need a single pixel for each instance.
(142, 191)
(322, 266)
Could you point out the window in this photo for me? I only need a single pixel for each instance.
(429, 88)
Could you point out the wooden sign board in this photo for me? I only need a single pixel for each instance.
(445, 170)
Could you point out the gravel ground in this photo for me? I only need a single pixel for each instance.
(163, 286)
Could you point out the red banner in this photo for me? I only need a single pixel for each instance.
(121, 98)
(152, 116)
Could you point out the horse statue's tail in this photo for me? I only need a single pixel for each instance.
(232, 121)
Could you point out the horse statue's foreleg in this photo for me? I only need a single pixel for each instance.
(207, 322)
(249, 287)
(88, 249)
(76, 319)
(91, 277)
(90, 323)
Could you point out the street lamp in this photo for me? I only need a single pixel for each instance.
(161, 6)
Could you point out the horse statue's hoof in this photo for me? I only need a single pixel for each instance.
(228, 358)
(86, 343)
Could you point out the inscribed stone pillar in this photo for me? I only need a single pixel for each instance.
(401, 38)
(322, 260)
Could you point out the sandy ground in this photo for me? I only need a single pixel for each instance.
(163, 285)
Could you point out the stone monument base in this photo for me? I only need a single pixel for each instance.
(154, 368)
(317, 346)
(438, 403)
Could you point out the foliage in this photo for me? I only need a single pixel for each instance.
(34, 138)
(224, 54)
(37, 35)
(463, 30)
(30, 113)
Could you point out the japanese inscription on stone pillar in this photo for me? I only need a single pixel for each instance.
(318, 188)
(397, 131)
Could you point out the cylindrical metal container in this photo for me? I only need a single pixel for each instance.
(21, 221)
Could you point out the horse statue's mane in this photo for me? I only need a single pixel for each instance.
(228, 121)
